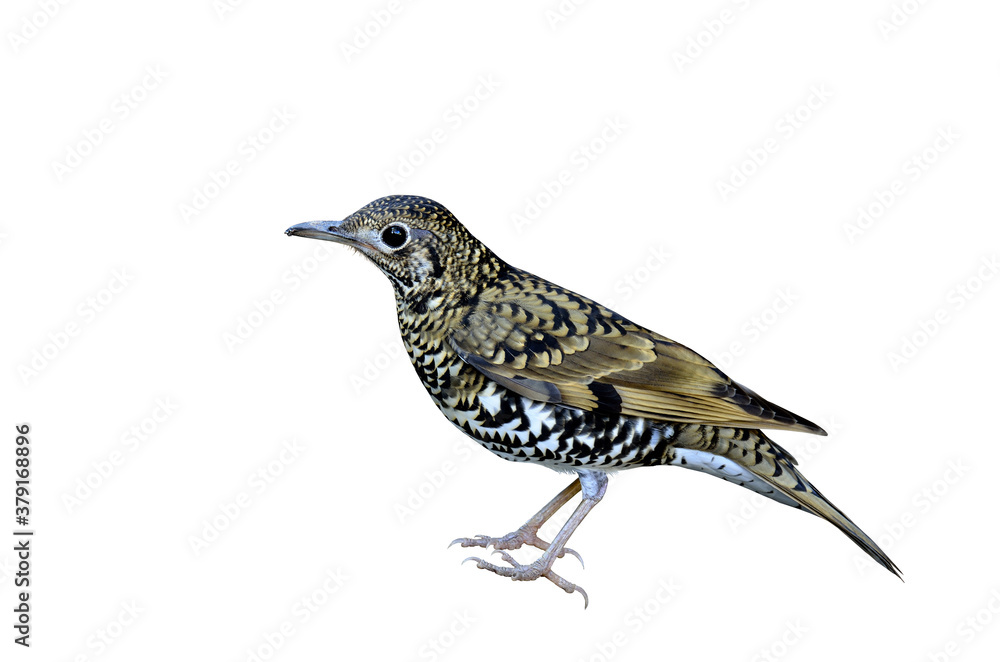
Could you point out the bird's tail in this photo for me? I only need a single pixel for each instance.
(750, 459)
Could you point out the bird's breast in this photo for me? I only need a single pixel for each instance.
(519, 428)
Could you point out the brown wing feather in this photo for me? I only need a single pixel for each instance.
(553, 345)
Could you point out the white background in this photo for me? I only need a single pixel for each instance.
(679, 565)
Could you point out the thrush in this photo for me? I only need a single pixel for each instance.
(535, 372)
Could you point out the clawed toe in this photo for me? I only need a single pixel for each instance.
(592, 485)
(526, 573)
(567, 550)
(503, 571)
(478, 541)
(514, 540)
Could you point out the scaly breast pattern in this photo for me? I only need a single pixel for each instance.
(520, 429)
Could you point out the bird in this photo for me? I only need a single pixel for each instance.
(535, 372)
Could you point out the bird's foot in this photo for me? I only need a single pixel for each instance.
(526, 535)
(530, 572)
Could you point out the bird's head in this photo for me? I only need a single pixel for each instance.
(416, 242)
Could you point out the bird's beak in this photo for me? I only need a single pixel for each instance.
(325, 230)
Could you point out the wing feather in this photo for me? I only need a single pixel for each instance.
(552, 345)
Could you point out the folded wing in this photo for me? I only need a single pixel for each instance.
(553, 345)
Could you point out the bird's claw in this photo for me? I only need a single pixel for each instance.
(567, 550)
(514, 540)
(477, 541)
(526, 573)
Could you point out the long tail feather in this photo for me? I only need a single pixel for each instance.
(750, 459)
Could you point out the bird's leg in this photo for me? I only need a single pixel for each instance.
(528, 533)
(593, 484)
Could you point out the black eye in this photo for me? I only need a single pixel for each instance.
(394, 236)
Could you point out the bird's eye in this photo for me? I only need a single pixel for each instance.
(394, 236)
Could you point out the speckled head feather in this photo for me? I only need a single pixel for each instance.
(420, 246)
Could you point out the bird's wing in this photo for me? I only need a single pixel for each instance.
(553, 345)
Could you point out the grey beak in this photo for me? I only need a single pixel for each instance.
(325, 230)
